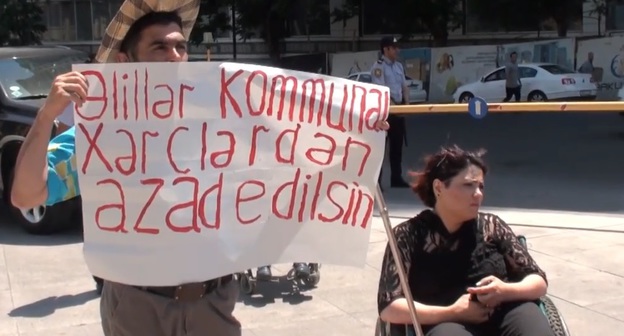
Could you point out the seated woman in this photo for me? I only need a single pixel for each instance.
(468, 273)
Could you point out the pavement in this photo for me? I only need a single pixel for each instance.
(555, 178)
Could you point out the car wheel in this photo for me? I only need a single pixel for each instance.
(537, 96)
(41, 220)
(465, 97)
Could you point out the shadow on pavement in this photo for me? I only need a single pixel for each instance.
(280, 288)
(12, 234)
(48, 306)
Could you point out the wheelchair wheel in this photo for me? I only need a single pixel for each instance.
(556, 322)
(247, 284)
(315, 275)
(313, 279)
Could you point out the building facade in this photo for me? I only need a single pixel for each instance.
(82, 22)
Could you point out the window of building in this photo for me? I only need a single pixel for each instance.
(84, 22)
(60, 20)
(101, 11)
(615, 15)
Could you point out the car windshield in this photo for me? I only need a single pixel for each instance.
(557, 69)
(32, 77)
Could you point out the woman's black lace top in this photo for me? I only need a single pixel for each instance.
(441, 265)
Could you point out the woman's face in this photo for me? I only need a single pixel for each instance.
(464, 194)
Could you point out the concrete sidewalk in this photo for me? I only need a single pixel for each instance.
(45, 288)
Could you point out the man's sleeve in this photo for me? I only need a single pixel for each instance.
(62, 170)
(377, 74)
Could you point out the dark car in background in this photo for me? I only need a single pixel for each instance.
(26, 75)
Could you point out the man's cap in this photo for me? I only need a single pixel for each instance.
(132, 10)
(389, 41)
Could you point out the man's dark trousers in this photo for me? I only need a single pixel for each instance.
(396, 139)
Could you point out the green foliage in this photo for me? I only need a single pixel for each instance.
(212, 18)
(405, 17)
(265, 19)
(349, 9)
(511, 15)
(508, 15)
(21, 22)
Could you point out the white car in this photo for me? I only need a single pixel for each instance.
(417, 92)
(540, 82)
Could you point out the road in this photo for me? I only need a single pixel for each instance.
(565, 161)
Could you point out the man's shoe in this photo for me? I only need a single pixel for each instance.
(399, 183)
(264, 273)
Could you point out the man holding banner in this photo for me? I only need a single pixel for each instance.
(142, 31)
(157, 31)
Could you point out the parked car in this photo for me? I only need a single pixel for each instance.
(26, 75)
(540, 82)
(417, 91)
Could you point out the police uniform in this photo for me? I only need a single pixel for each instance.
(391, 74)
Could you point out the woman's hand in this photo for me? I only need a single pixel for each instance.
(490, 291)
(469, 311)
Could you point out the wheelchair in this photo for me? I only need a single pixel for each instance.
(248, 281)
(555, 320)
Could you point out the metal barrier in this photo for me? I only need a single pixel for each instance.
(593, 106)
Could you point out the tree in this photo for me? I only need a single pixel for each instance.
(266, 19)
(350, 9)
(436, 16)
(21, 22)
(404, 17)
(562, 12)
(600, 9)
(211, 19)
(510, 15)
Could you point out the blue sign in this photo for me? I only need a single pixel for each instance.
(477, 107)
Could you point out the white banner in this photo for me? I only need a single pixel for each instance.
(191, 171)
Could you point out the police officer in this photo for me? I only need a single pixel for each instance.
(389, 72)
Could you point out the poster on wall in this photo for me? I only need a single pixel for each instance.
(345, 64)
(608, 64)
(453, 67)
(417, 65)
(559, 51)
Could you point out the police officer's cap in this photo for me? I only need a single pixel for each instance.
(389, 41)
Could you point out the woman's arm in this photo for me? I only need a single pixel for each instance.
(527, 281)
(398, 313)
(532, 287)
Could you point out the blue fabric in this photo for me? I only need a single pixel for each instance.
(62, 168)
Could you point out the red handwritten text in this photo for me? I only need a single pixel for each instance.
(300, 130)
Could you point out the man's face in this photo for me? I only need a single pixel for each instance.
(159, 43)
(514, 57)
(391, 52)
(590, 56)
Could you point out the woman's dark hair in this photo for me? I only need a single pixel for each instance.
(444, 166)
